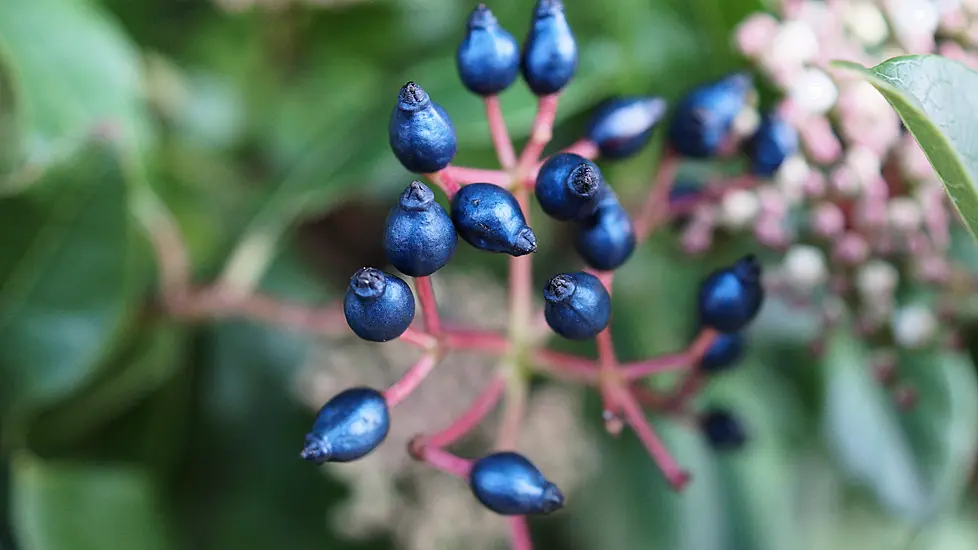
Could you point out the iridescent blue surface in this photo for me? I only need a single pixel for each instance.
(348, 427)
(489, 218)
(731, 297)
(421, 133)
(420, 237)
(724, 353)
(703, 118)
(722, 429)
(577, 305)
(509, 484)
(488, 59)
(378, 306)
(606, 240)
(622, 126)
(568, 186)
(550, 51)
(774, 141)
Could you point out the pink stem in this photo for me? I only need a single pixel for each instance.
(429, 307)
(693, 379)
(566, 366)
(674, 474)
(656, 206)
(519, 532)
(467, 175)
(671, 362)
(411, 380)
(471, 418)
(443, 178)
(541, 132)
(415, 337)
(608, 363)
(446, 461)
(500, 135)
(480, 340)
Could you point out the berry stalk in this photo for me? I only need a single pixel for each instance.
(429, 307)
(674, 474)
(541, 132)
(656, 206)
(411, 379)
(466, 175)
(471, 418)
(442, 460)
(443, 179)
(500, 135)
(519, 533)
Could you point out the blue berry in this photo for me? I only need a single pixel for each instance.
(731, 297)
(606, 239)
(420, 237)
(722, 429)
(378, 306)
(488, 58)
(703, 118)
(348, 427)
(724, 352)
(578, 306)
(509, 484)
(550, 51)
(489, 218)
(422, 135)
(622, 126)
(568, 186)
(774, 141)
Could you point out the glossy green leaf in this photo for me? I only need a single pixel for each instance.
(75, 506)
(930, 93)
(68, 276)
(916, 462)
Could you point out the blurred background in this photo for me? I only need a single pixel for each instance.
(261, 124)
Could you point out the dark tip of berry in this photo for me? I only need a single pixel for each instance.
(412, 96)
(525, 242)
(481, 18)
(546, 8)
(314, 451)
(368, 283)
(585, 180)
(417, 196)
(748, 269)
(552, 499)
(560, 288)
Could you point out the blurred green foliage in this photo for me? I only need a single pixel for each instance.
(124, 430)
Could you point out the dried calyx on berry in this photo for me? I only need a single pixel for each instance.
(568, 187)
(550, 51)
(488, 59)
(422, 135)
(348, 427)
(378, 306)
(702, 122)
(731, 297)
(606, 239)
(489, 218)
(622, 126)
(509, 484)
(420, 237)
(577, 306)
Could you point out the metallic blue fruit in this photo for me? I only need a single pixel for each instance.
(421, 133)
(378, 306)
(606, 240)
(550, 51)
(578, 306)
(509, 484)
(724, 353)
(702, 120)
(774, 141)
(731, 297)
(420, 237)
(488, 58)
(568, 186)
(722, 429)
(489, 218)
(348, 427)
(622, 126)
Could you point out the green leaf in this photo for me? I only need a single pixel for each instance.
(916, 462)
(75, 506)
(927, 93)
(73, 68)
(70, 270)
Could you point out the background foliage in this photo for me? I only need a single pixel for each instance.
(264, 131)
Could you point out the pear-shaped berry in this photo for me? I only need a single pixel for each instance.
(550, 51)
(489, 218)
(578, 306)
(568, 186)
(509, 484)
(724, 353)
(606, 239)
(622, 126)
(348, 427)
(703, 119)
(488, 58)
(420, 237)
(723, 430)
(774, 141)
(731, 297)
(422, 135)
(378, 306)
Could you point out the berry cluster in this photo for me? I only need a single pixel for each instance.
(489, 210)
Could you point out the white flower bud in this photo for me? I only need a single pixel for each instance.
(877, 280)
(814, 91)
(867, 23)
(792, 176)
(804, 267)
(746, 121)
(739, 208)
(904, 214)
(914, 326)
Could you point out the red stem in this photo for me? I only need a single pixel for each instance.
(671, 362)
(480, 340)
(429, 307)
(519, 532)
(443, 178)
(541, 132)
(467, 175)
(471, 418)
(563, 365)
(693, 379)
(445, 461)
(500, 135)
(418, 338)
(674, 474)
(411, 380)
(656, 207)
